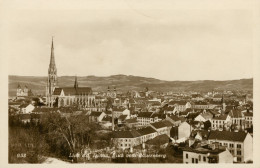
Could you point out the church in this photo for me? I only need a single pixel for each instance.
(23, 92)
(56, 96)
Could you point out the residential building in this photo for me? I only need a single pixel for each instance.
(205, 116)
(175, 120)
(221, 122)
(179, 105)
(160, 127)
(147, 133)
(96, 116)
(184, 130)
(205, 156)
(240, 144)
(126, 139)
(145, 118)
(248, 119)
(26, 108)
(118, 111)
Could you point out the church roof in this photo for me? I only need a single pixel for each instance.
(57, 91)
(73, 91)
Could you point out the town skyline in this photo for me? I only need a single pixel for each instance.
(85, 76)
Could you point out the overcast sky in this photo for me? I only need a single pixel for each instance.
(169, 40)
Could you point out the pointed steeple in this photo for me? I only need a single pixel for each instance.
(76, 83)
(52, 61)
(52, 73)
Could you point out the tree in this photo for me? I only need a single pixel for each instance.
(75, 130)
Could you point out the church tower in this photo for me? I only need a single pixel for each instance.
(76, 85)
(52, 75)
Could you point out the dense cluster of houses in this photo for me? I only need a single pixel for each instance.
(217, 128)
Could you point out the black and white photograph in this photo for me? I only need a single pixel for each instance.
(128, 81)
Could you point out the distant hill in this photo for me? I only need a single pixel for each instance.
(127, 83)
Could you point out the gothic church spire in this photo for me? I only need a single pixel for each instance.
(52, 60)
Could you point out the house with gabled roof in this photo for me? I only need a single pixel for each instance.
(205, 116)
(131, 123)
(118, 111)
(145, 118)
(161, 127)
(248, 119)
(184, 131)
(205, 155)
(179, 105)
(96, 116)
(175, 120)
(220, 122)
(147, 133)
(126, 139)
(240, 144)
(26, 108)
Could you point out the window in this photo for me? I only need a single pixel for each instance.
(199, 158)
(238, 145)
(187, 156)
(196, 160)
(238, 152)
(126, 140)
(239, 159)
(192, 160)
(204, 158)
(231, 145)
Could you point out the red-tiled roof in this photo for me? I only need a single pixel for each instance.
(159, 140)
(96, 113)
(207, 115)
(126, 134)
(132, 120)
(159, 124)
(174, 118)
(227, 135)
(221, 117)
(167, 123)
(145, 114)
(146, 131)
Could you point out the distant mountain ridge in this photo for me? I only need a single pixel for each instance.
(128, 83)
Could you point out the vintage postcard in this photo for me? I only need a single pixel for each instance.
(96, 82)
